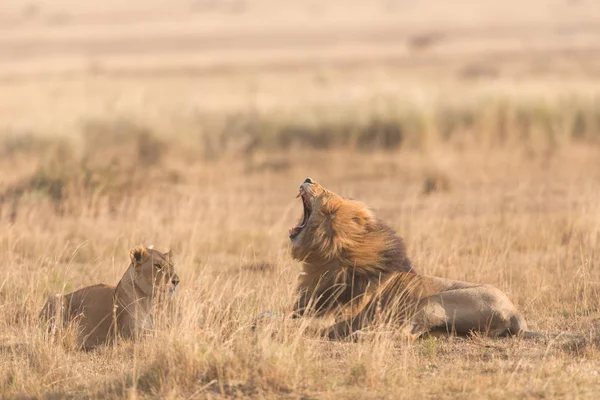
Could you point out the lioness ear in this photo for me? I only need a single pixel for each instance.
(138, 254)
(168, 255)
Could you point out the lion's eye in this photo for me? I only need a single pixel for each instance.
(158, 266)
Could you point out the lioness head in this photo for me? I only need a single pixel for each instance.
(154, 271)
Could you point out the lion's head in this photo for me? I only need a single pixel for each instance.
(315, 200)
(343, 245)
(154, 272)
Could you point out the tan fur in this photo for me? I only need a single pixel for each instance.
(102, 312)
(347, 268)
(344, 251)
(427, 304)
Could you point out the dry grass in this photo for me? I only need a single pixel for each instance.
(474, 135)
(527, 224)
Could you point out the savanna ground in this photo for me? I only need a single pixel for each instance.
(473, 130)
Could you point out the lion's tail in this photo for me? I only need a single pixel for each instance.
(546, 335)
(519, 329)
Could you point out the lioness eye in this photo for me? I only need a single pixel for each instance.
(158, 266)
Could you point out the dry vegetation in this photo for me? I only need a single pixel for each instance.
(478, 141)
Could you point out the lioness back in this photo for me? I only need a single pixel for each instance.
(102, 311)
(91, 307)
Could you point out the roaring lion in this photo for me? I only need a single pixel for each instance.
(345, 251)
(356, 267)
(104, 311)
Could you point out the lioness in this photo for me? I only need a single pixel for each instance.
(104, 311)
(352, 263)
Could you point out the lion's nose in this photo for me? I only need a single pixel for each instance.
(175, 281)
(308, 180)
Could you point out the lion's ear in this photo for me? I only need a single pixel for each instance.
(168, 255)
(138, 254)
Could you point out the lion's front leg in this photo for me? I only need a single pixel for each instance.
(340, 330)
(343, 329)
(301, 304)
(358, 322)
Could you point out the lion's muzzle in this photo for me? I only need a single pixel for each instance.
(174, 284)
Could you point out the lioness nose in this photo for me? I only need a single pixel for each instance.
(175, 281)
(308, 180)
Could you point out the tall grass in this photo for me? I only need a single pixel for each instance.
(487, 121)
(108, 155)
(496, 191)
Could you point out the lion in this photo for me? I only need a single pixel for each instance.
(356, 267)
(345, 250)
(103, 312)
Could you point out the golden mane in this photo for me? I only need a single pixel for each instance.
(344, 250)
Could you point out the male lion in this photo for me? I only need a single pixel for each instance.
(357, 266)
(104, 311)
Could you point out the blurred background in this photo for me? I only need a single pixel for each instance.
(471, 127)
(105, 102)
(100, 101)
(232, 75)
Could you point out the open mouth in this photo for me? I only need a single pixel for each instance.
(295, 231)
